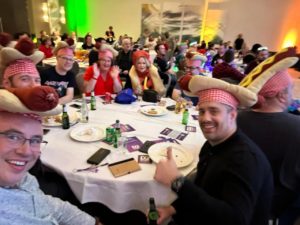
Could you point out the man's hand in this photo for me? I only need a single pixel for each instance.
(165, 213)
(166, 170)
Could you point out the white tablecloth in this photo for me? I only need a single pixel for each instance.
(128, 192)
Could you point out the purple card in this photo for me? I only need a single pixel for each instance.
(166, 131)
(133, 144)
(190, 128)
(195, 117)
(124, 127)
(181, 136)
(128, 128)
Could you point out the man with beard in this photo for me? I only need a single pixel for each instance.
(233, 184)
(262, 54)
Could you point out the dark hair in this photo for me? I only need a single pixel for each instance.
(229, 56)
(5, 38)
(255, 47)
(156, 48)
(45, 39)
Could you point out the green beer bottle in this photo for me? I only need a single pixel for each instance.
(65, 118)
(93, 101)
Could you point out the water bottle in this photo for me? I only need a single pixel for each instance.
(153, 214)
(65, 118)
(84, 110)
(185, 117)
(93, 101)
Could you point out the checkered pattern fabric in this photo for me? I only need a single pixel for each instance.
(218, 95)
(277, 83)
(21, 66)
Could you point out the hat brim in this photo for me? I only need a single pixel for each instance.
(11, 103)
(9, 55)
(246, 98)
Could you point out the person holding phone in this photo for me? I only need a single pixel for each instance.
(102, 76)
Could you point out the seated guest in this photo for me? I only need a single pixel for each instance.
(21, 73)
(60, 76)
(276, 131)
(261, 55)
(233, 183)
(219, 57)
(93, 54)
(143, 75)
(22, 202)
(102, 76)
(251, 55)
(193, 62)
(226, 70)
(88, 44)
(46, 47)
(164, 67)
(124, 58)
(20, 65)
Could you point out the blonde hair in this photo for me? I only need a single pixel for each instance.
(148, 64)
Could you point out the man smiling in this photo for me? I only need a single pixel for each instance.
(21, 137)
(233, 184)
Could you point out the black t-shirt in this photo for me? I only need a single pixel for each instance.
(50, 77)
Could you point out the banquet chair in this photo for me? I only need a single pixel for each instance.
(79, 81)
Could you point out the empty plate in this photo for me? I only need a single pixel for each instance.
(181, 156)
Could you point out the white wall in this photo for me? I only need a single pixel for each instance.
(123, 15)
(259, 20)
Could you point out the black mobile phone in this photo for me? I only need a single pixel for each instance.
(171, 107)
(146, 146)
(98, 156)
(76, 106)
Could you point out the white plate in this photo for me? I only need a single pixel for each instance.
(181, 156)
(55, 121)
(88, 133)
(153, 110)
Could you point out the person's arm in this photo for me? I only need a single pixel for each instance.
(67, 214)
(68, 97)
(90, 78)
(176, 94)
(114, 73)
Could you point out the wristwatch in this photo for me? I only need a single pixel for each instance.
(177, 184)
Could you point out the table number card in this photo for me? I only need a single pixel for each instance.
(124, 127)
(133, 144)
(174, 134)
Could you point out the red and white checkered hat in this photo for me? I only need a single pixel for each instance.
(216, 90)
(218, 95)
(280, 81)
(20, 66)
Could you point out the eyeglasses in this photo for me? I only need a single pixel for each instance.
(66, 59)
(17, 140)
